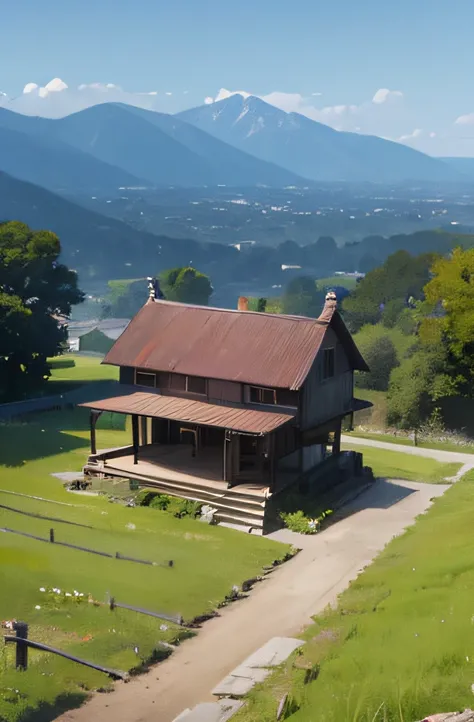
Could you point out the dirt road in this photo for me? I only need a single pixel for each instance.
(280, 606)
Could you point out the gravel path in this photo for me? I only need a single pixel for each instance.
(282, 605)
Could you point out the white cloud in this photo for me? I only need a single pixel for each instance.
(56, 99)
(411, 136)
(30, 87)
(56, 85)
(383, 95)
(465, 119)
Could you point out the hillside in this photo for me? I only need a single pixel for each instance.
(160, 150)
(462, 165)
(55, 165)
(311, 149)
(92, 244)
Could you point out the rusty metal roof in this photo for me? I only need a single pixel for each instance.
(255, 348)
(151, 403)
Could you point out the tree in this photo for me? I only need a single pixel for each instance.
(381, 357)
(34, 290)
(125, 299)
(450, 295)
(401, 277)
(302, 298)
(186, 285)
(416, 385)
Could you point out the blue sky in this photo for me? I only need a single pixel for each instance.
(345, 50)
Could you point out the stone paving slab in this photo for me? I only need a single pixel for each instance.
(220, 711)
(257, 667)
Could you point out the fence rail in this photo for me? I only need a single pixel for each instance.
(23, 643)
(116, 555)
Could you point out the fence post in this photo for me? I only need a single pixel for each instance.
(51, 536)
(112, 603)
(21, 629)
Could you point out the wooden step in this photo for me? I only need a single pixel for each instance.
(247, 508)
(213, 492)
(240, 519)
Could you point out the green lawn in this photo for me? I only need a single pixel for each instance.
(395, 465)
(398, 646)
(208, 561)
(349, 282)
(85, 368)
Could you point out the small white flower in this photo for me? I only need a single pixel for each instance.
(42, 589)
(81, 594)
(163, 627)
(68, 594)
(37, 606)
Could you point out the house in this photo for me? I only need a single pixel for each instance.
(95, 336)
(228, 407)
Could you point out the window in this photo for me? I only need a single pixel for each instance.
(142, 378)
(262, 396)
(196, 385)
(328, 363)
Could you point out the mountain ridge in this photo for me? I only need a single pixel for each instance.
(153, 148)
(312, 149)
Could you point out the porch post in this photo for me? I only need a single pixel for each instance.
(272, 444)
(226, 455)
(336, 447)
(92, 421)
(135, 438)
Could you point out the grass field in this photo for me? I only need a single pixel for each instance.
(398, 646)
(349, 282)
(78, 369)
(395, 465)
(208, 561)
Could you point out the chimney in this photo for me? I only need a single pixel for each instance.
(154, 290)
(243, 304)
(330, 307)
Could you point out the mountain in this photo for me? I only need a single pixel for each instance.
(311, 149)
(462, 165)
(94, 245)
(56, 165)
(160, 149)
(242, 168)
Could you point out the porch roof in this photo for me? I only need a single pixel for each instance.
(151, 403)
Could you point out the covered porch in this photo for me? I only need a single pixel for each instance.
(181, 440)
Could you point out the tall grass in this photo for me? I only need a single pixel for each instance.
(399, 646)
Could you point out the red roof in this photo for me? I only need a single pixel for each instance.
(151, 403)
(255, 348)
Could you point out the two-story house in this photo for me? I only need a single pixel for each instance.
(228, 407)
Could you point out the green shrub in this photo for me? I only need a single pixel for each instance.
(298, 522)
(160, 501)
(174, 505)
(62, 362)
(183, 507)
(144, 497)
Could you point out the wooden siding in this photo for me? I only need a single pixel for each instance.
(324, 399)
(224, 391)
(127, 375)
